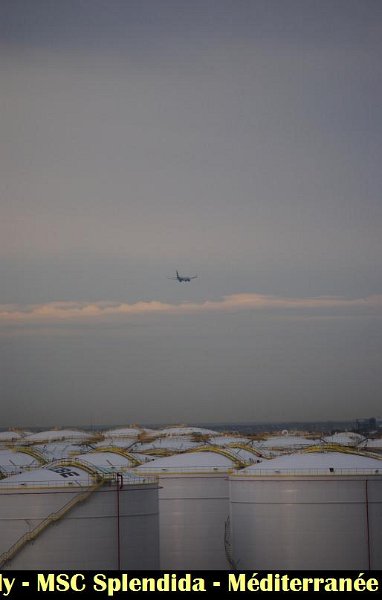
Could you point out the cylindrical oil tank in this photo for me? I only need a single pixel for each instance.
(16, 460)
(193, 508)
(166, 445)
(280, 444)
(113, 459)
(346, 438)
(307, 511)
(54, 435)
(374, 445)
(128, 435)
(60, 450)
(10, 437)
(186, 430)
(65, 517)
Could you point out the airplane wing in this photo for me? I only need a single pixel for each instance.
(172, 278)
(193, 277)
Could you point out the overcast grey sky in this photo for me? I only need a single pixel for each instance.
(239, 140)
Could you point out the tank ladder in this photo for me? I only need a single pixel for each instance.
(52, 518)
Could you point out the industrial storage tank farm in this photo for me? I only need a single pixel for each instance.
(184, 498)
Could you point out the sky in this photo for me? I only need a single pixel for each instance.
(239, 140)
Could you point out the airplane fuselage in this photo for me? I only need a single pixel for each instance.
(182, 279)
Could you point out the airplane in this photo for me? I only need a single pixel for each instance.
(180, 278)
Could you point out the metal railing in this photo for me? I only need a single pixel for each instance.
(105, 475)
(201, 470)
(308, 471)
(45, 483)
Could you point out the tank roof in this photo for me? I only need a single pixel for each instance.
(176, 443)
(58, 434)
(54, 476)
(316, 463)
(185, 430)
(376, 443)
(345, 438)
(143, 457)
(131, 432)
(57, 450)
(116, 442)
(226, 440)
(15, 458)
(105, 459)
(287, 441)
(188, 462)
(10, 436)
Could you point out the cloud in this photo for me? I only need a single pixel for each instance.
(57, 312)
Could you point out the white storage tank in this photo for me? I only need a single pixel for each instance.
(114, 459)
(374, 445)
(167, 445)
(16, 460)
(60, 450)
(186, 430)
(287, 443)
(229, 439)
(54, 435)
(128, 434)
(10, 437)
(308, 511)
(124, 443)
(346, 438)
(193, 508)
(66, 517)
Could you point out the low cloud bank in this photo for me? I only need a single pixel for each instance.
(55, 312)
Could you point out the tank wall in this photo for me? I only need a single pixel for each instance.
(193, 512)
(139, 528)
(87, 536)
(305, 524)
(374, 492)
(21, 511)
(293, 490)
